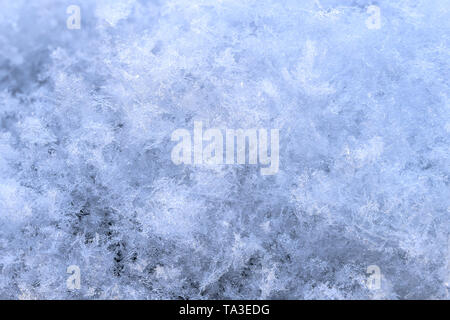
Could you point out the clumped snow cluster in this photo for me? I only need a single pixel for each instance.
(86, 178)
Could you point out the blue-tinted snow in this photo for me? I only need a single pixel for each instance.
(86, 177)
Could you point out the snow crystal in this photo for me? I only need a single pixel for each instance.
(360, 94)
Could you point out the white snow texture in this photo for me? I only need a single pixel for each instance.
(86, 176)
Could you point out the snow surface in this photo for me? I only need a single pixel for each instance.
(86, 177)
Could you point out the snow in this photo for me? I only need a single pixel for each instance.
(86, 177)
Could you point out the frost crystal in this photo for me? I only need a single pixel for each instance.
(92, 206)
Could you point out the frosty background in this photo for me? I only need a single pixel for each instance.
(86, 177)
